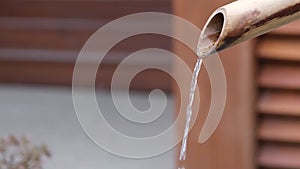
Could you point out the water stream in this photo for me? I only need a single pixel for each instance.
(193, 86)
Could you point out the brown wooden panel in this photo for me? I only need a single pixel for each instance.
(39, 55)
(54, 24)
(61, 74)
(281, 103)
(142, 81)
(68, 56)
(43, 39)
(152, 79)
(36, 72)
(71, 40)
(279, 156)
(279, 76)
(279, 48)
(279, 129)
(80, 9)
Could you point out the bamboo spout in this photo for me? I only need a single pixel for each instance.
(243, 20)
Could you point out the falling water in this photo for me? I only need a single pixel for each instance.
(189, 111)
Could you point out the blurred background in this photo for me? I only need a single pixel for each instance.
(41, 39)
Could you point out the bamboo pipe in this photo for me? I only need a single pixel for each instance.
(243, 20)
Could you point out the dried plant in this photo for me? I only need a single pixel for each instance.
(19, 153)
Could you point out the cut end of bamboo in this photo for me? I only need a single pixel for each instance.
(211, 33)
(243, 20)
